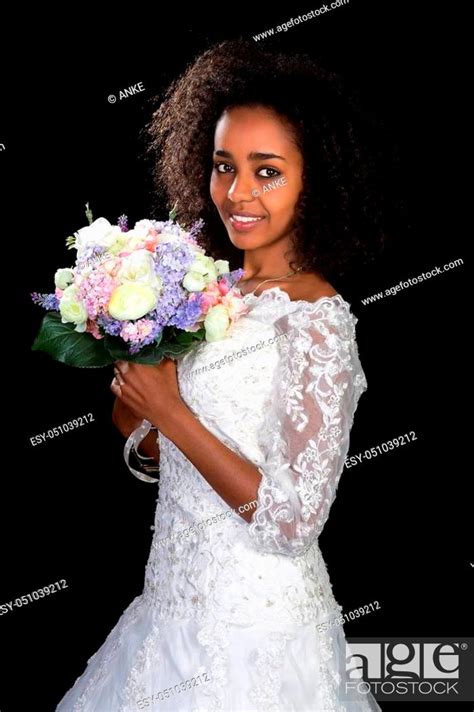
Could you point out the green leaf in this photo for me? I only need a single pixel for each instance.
(173, 350)
(119, 351)
(150, 355)
(188, 337)
(173, 212)
(68, 346)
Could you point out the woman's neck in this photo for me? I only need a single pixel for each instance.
(269, 263)
(307, 286)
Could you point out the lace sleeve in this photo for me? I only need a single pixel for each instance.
(305, 436)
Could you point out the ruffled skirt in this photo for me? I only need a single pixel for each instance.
(147, 663)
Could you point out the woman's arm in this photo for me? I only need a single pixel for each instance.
(152, 392)
(234, 479)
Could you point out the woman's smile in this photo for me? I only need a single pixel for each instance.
(243, 221)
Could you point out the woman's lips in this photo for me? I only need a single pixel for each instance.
(244, 223)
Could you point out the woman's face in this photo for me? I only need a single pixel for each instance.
(257, 176)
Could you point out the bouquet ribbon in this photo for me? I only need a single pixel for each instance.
(134, 441)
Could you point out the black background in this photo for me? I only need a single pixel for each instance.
(398, 531)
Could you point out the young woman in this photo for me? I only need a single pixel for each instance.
(237, 612)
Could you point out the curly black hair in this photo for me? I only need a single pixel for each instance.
(339, 217)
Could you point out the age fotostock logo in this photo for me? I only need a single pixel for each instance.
(396, 669)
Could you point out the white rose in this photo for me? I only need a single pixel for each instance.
(137, 237)
(135, 241)
(194, 282)
(205, 266)
(72, 310)
(143, 226)
(216, 323)
(140, 267)
(99, 234)
(131, 301)
(222, 266)
(63, 278)
(118, 242)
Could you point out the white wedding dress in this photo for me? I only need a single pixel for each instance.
(228, 618)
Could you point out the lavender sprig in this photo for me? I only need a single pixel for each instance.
(50, 302)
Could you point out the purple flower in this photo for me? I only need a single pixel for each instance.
(232, 277)
(173, 261)
(187, 313)
(196, 228)
(151, 338)
(168, 226)
(123, 223)
(111, 326)
(90, 256)
(50, 302)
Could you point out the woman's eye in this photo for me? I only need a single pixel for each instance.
(268, 172)
(223, 167)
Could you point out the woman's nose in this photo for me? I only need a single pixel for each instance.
(242, 189)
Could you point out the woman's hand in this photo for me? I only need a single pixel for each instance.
(150, 392)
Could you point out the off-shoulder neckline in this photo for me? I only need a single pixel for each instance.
(278, 290)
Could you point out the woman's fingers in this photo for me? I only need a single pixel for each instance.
(115, 387)
(122, 366)
(118, 376)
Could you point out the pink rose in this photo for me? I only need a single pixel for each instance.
(234, 304)
(223, 287)
(210, 297)
(151, 242)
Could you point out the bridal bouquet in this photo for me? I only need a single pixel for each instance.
(138, 294)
